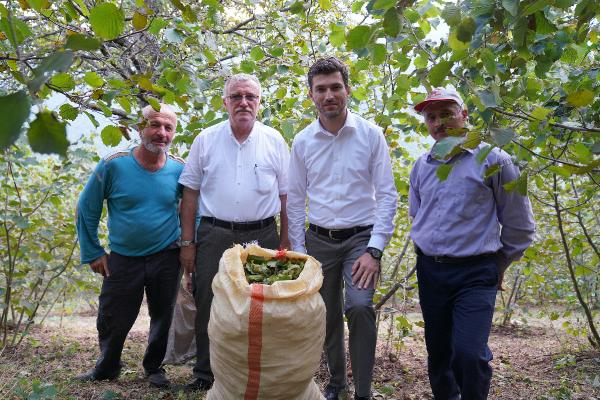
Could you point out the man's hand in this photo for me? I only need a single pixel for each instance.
(365, 270)
(187, 257)
(100, 265)
(500, 281)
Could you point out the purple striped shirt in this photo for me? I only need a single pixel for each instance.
(466, 214)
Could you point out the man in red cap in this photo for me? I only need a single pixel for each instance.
(467, 230)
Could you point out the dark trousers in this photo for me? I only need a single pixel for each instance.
(212, 242)
(337, 258)
(457, 301)
(120, 300)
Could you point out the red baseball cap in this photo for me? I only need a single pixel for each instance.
(439, 94)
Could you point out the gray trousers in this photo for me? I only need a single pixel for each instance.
(212, 242)
(337, 258)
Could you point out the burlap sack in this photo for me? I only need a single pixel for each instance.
(265, 341)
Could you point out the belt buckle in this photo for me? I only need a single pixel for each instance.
(438, 259)
(331, 232)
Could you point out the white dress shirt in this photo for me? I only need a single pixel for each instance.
(347, 179)
(238, 182)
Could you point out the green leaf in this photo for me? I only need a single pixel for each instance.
(325, 4)
(178, 5)
(257, 53)
(84, 10)
(502, 136)
(139, 21)
(489, 60)
(68, 112)
(14, 111)
(535, 6)
(391, 23)
(512, 6)
(519, 33)
(63, 81)
(519, 184)
(247, 66)
(157, 25)
(337, 36)
(17, 33)
(154, 103)
(358, 37)
(82, 42)
(173, 35)
(438, 73)
(93, 79)
(443, 171)
(446, 146)
(582, 152)
(483, 153)
(455, 44)
(562, 171)
(465, 30)
(540, 113)
(488, 99)
(421, 61)
(297, 7)
(59, 61)
(581, 98)
(491, 171)
(451, 14)
(383, 4)
(378, 53)
(107, 20)
(111, 135)
(48, 135)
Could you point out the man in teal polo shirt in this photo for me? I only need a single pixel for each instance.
(142, 195)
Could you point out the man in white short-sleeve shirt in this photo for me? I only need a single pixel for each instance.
(236, 178)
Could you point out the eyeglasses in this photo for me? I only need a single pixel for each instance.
(250, 98)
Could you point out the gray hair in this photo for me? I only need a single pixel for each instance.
(240, 78)
(164, 109)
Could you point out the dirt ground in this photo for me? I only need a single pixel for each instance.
(533, 361)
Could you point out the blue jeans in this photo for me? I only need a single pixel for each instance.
(457, 301)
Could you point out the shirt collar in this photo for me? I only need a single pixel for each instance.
(250, 136)
(349, 125)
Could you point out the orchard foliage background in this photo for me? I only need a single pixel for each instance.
(529, 71)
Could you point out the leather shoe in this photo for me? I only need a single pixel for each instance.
(199, 384)
(91, 376)
(158, 379)
(357, 397)
(335, 394)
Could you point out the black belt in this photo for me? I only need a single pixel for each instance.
(239, 226)
(455, 260)
(338, 234)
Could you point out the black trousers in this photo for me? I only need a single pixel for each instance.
(457, 301)
(120, 300)
(212, 242)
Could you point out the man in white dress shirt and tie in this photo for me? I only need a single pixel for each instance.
(236, 176)
(341, 164)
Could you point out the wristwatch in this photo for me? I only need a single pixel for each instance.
(375, 253)
(185, 243)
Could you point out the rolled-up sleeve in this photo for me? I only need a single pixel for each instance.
(296, 197)
(192, 173)
(514, 214)
(386, 196)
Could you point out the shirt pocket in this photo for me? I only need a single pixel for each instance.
(265, 178)
(469, 202)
